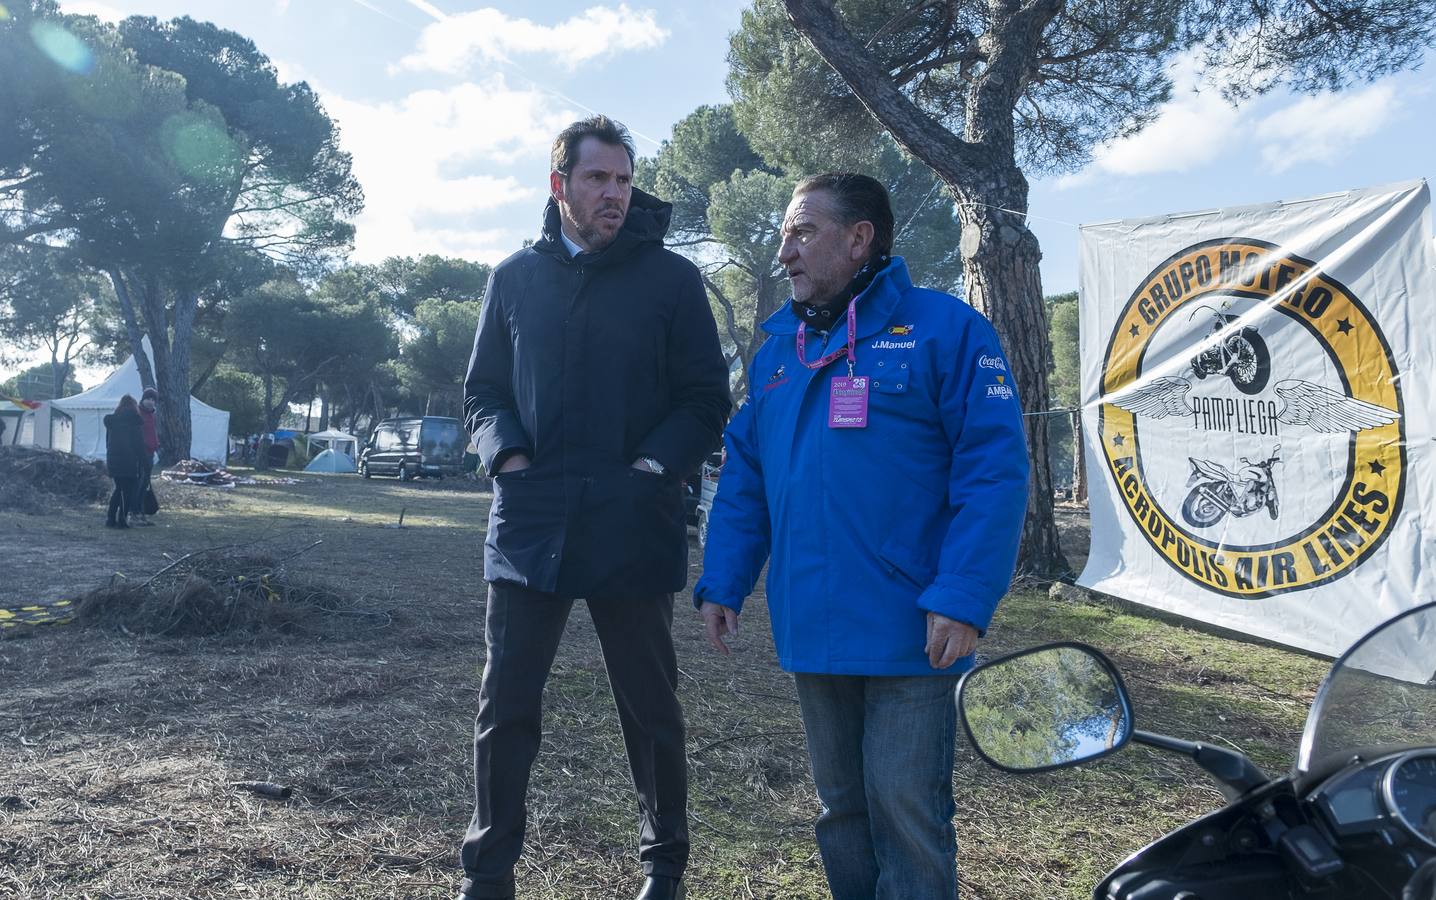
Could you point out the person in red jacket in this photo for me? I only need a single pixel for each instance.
(148, 399)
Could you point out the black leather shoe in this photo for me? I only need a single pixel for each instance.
(657, 887)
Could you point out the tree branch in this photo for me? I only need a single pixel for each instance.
(904, 76)
(954, 159)
(729, 314)
(900, 20)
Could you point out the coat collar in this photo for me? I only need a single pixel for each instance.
(876, 305)
(646, 223)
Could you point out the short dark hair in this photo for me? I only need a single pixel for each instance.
(610, 131)
(857, 198)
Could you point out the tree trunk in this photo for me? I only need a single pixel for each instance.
(378, 405)
(59, 374)
(768, 295)
(271, 411)
(171, 366)
(132, 327)
(1000, 255)
(172, 418)
(1079, 459)
(324, 412)
(1000, 259)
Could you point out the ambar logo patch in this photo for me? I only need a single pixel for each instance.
(1252, 420)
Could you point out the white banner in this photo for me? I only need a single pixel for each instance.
(1258, 412)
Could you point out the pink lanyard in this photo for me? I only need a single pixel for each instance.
(849, 351)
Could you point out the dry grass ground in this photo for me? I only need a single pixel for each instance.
(119, 752)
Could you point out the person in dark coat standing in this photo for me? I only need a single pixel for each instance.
(148, 398)
(124, 452)
(596, 381)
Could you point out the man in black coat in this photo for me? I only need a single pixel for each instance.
(596, 382)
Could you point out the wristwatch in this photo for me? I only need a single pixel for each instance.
(652, 465)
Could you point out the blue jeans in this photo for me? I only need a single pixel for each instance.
(881, 750)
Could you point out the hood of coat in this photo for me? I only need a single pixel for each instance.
(122, 417)
(646, 223)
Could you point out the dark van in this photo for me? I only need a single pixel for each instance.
(432, 446)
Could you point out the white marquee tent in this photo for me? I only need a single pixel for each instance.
(333, 439)
(209, 439)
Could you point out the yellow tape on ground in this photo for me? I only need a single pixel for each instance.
(57, 613)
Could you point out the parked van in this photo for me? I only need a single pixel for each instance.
(432, 446)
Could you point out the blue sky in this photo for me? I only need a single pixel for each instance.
(449, 108)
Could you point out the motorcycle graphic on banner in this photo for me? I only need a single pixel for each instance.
(1239, 353)
(1219, 492)
(1258, 412)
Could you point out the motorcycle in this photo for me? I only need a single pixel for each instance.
(1240, 354)
(1220, 492)
(1355, 819)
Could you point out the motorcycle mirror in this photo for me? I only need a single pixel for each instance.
(1048, 707)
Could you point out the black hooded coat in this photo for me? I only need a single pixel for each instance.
(586, 364)
(125, 453)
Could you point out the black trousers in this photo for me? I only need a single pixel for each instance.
(522, 631)
(146, 471)
(124, 500)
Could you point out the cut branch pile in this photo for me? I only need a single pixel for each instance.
(216, 592)
(35, 481)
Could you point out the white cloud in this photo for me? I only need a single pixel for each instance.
(102, 11)
(455, 43)
(1198, 127)
(422, 163)
(289, 72)
(1194, 128)
(1325, 127)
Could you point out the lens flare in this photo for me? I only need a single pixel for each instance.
(64, 49)
(201, 148)
(4, 13)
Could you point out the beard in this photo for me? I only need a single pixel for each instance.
(591, 229)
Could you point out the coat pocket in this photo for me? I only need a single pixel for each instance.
(628, 535)
(525, 529)
(891, 378)
(657, 527)
(914, 543)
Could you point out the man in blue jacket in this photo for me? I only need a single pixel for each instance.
(879, 467)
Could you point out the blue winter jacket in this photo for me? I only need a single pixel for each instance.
(870, 528)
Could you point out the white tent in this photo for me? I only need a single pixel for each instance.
(330, 461)
(43, 426)
(209, 427)
(338, 441)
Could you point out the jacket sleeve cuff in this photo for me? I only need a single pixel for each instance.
(667, 450)
(502, 456)
(703, 592)
(498, 438)
(962, 599)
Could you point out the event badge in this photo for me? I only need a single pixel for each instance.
(848, 402)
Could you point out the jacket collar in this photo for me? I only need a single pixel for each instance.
(646, 223)
(875, 305)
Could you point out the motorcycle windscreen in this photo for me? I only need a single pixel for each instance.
(1379, 697)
